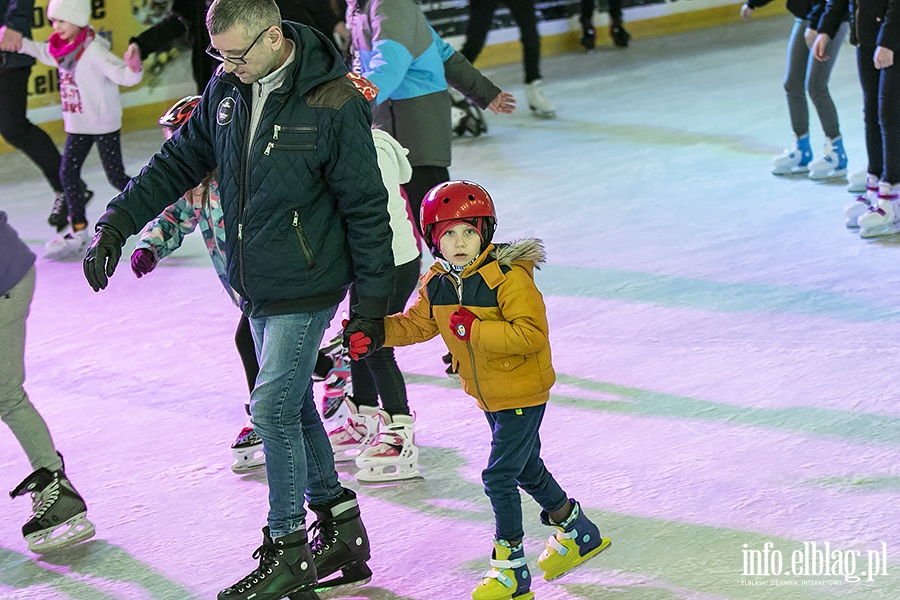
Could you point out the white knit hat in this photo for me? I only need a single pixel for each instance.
(76, 12)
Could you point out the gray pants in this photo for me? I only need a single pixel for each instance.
(804, 74)
(16, 409)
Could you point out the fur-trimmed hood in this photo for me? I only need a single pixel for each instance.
(517, 251)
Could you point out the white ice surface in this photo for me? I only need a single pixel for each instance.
(727, 358)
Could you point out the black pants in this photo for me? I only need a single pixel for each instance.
(421, 182)
(21, 133)
(481, 15)
(881, 110)
(243, 341)
(74, 152)
(377, 375)
(587, 10)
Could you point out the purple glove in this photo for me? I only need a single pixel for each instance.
(142, 262)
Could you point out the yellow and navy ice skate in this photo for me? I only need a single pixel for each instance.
(508, 578)
(577, 539)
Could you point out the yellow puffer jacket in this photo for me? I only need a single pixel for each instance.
(506, 361)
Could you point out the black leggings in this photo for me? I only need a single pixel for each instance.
(881, 91)
(243, 340)
(481, 15)
(21, 133)
(587, 10)
(75, 151)
(377, 375)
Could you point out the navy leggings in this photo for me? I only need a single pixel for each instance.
(74, 152)
(881, 89)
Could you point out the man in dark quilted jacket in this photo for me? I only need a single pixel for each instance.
(305, 215)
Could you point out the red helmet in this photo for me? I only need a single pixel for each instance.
(179, 113)
(454, 200)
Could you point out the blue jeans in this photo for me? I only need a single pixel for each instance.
(299, 460)
(515, 462)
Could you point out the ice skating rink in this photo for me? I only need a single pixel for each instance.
(727, 357)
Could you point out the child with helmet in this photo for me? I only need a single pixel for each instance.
(482, 300)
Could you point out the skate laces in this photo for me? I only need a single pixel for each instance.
(321, 530)
(42, 500)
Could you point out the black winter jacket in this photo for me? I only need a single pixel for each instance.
(306, 213)
(17, 15)
(872, 22)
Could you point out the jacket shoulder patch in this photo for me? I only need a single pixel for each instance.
(493, 274)
(332, 94)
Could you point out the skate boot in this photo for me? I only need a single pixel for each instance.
(794, 160)
(286, 569)
(465, 117)
(356, 433)
(393, 455)
(863, 202)
(340, 543)
(885, 218)
(69, 245)
(588, 35)
(576, 541)
(540, 106)
(833, 164)
(247, 451)
(338, 386)
(857, 182)
(508, 578)
(59, 512)
(59, 214)
(618, 33)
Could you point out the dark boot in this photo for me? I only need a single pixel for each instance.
(618, 33)
(59, 512)
(588, 35)
(59, 214)
(340, 543)
(285, 568)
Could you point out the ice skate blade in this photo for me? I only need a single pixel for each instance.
(243, 468)
(791, 172)
(543, 114)
(838, 174)
(367, 477)
(604, 544)
(880, 231)
(303, 595)
(353, 575)
(78, 530)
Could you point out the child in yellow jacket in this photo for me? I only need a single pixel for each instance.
(482, 300)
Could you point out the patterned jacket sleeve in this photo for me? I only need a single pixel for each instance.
(164, 234)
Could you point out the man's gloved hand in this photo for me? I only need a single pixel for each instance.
(363, 336)
(142, 262)
(461, 323)
(102, 256)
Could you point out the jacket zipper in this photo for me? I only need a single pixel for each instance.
(307, 251)
(459, 284)
(272, 145)
(290, 129)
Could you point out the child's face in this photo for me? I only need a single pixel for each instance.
(460, 244)
(66, 30)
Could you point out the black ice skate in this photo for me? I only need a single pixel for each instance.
(340, 543)
(588, 35)
(285, 570)
(618, 33)
(59, 214)
(59, 512)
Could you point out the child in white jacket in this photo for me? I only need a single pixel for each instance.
(89, 80)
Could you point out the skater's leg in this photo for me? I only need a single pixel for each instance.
(281, 406)
(889, 117)
(818, 73)
(870, 82)
(75, 152)
(481, 15)
(16, 410)
(21, 133)
(795, 78)
(110, 147)
(243, 341)
(523, 13)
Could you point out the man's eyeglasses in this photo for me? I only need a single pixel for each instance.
(235, 60)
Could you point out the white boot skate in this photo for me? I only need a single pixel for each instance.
(68, 245)
(356, 433)
(337, 389)
(833, 164)
(393, 455)
(794, 161)
(247, 451)
(863, 203)
(857, 182)
(885, 219)
(540, 106)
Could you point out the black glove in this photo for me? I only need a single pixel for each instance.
(363, 336)
(102, 256)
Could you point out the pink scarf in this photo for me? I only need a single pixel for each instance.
(68, 53)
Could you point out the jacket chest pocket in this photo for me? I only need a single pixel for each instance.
(292, 138)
